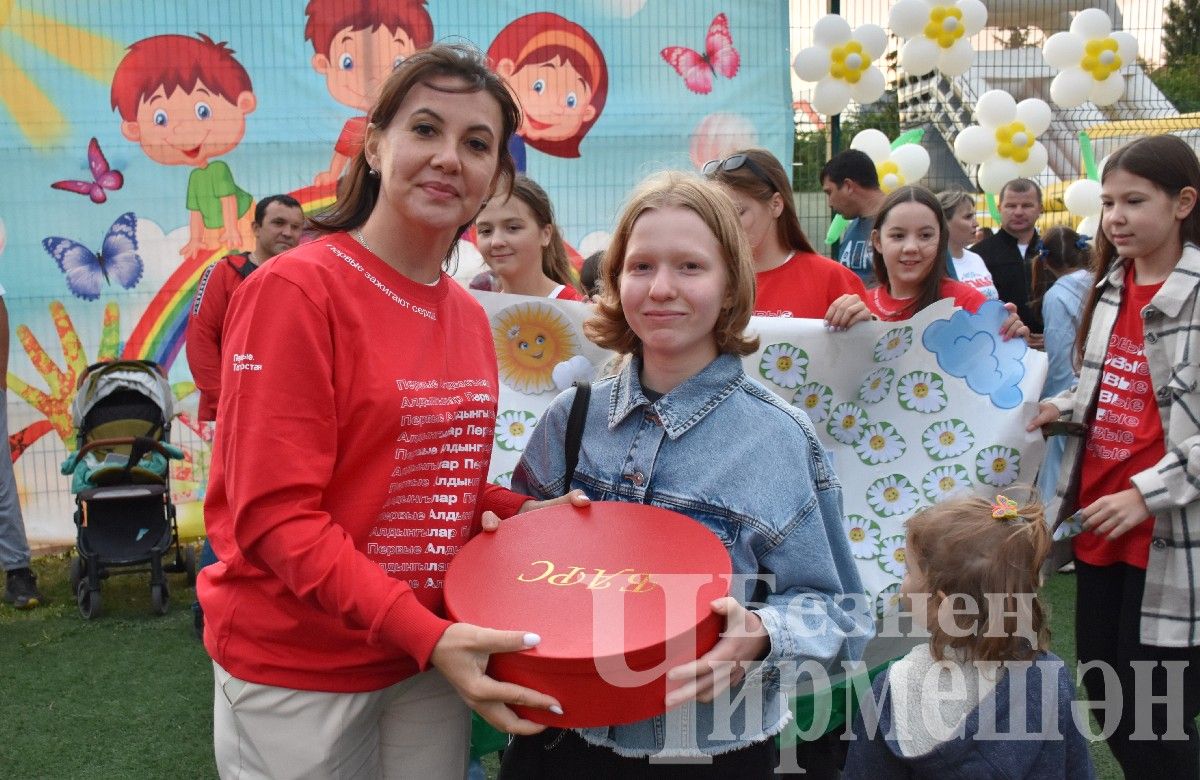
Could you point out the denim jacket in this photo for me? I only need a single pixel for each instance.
(725, 451)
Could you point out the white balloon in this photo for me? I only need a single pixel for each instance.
(919, 56)
(974, 145)
(872, 143)
(957, 60)
(1063, 50)
(995, 173)
(1109, 91)
(830, 30)
(913, 161)
(812, 64)
(890, 181)
(873, 38)
(996, 107)
(974, 15)
(869, 87)
(908, 17)
(1127, 47)
(1091, 23)
(1035, 114)
(1090, 227)
(831, 96)
(1070, 89)
(1035, 163)
(1082, 198)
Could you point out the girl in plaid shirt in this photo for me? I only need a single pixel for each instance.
(1134, 472)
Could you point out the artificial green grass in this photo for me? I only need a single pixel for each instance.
(130, 693)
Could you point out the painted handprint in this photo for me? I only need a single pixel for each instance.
(55, 401)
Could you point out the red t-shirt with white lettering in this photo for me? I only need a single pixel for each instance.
(354, 435)
(1126, 435)
(804, 287)
(566, 292)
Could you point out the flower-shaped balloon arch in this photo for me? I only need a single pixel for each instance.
(937, 34)
(1090, 57)
(840, 61)
(1004, 144)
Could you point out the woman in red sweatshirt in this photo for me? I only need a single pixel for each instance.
(353, 444)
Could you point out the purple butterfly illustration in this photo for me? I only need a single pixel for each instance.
(86, 270)
(104, 178)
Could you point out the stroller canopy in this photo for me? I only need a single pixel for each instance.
(141, 376)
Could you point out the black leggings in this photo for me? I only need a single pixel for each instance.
(1107, 618)
(558, 754)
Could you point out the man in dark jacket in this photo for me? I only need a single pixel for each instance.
(1011, 252)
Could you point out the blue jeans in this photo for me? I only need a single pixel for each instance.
(14, 546)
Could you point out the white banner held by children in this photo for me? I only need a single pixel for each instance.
(910, 412)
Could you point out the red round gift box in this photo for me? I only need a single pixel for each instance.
(619, 593)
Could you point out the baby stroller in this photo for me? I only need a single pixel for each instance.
(124, 517)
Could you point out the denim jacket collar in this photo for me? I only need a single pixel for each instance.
(684, 406)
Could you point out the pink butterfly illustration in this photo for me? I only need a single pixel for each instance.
(103, 177)
(719, 57)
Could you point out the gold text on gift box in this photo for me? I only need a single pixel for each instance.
(631, 580)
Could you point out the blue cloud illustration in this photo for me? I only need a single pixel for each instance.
(969, 346)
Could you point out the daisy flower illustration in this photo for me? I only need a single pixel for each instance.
(880, 443)
(876, 386)
(503, 480)
(784, 364)
(891, 556)
(513, 429)
(864, 536)
(892, 495)
(945, 481)
(893, 344)
(947, 439)
(998, 466)
(888, 600)
(814, 399)
(922, 391)
(846, 422)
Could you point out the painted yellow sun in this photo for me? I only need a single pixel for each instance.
(87, 53)
(531, 339)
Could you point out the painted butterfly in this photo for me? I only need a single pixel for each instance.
(103, 177)
(86, 270)
(719, 56)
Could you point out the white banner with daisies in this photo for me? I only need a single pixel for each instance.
(910, 412)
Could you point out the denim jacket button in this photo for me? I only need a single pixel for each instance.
(636, 478)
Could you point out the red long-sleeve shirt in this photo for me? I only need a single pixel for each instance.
(205, 322)
(352, 452)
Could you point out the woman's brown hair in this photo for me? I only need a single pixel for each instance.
(931, 288)
(1063, 251)
(609, 328)
(747, 180)
(555, 263)
(963, 552)
(1170, 164)
(359, 189)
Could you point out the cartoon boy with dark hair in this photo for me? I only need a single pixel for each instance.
(356, 45)
(185, 100)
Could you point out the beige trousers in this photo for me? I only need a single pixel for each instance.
(418, 728)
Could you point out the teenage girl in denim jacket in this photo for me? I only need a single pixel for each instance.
(682, 427)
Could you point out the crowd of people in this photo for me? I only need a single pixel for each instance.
(332, 654)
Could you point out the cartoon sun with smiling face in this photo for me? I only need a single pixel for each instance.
(531, 339)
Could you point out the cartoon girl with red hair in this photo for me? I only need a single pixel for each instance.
(558, 73)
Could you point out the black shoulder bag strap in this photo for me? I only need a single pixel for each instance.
(575, 423)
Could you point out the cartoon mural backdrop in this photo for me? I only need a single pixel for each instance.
(136, 143)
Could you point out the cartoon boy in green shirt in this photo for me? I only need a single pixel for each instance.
(185, 100)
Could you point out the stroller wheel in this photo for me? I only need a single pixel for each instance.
(88, 600)
(76, 572)
(160, 598)
(189, 565)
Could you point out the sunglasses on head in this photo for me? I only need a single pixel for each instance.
(735, 162)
